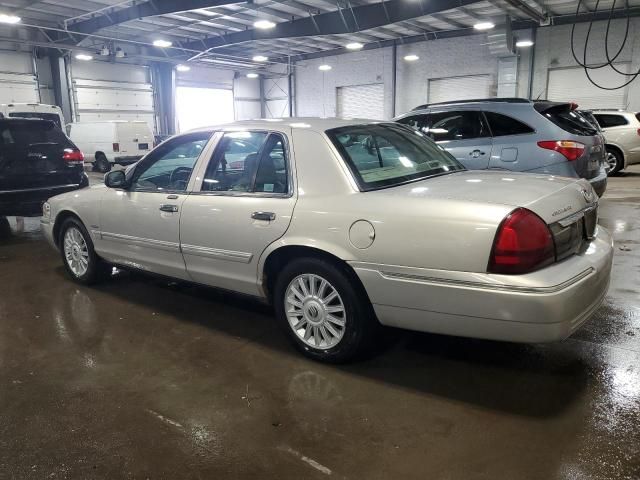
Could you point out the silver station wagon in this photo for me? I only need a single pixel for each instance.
(345, 226)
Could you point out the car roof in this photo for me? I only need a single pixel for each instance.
(281, 124)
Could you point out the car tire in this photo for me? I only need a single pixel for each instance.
(335, 320)
(101, 164)
(80, 260)
(5, 227)
(615, 161)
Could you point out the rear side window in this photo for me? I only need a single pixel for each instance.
(25, 134)
(570, 122)
(502, 125)
(607, 120)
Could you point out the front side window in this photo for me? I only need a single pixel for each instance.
(248, 162)
(385, 155)
(502, 125)
(456, 125)
(169, 167)
(607, 121)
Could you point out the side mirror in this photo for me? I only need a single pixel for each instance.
(115, 179)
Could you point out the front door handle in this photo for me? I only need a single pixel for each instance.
(267, 216)
(169, 208)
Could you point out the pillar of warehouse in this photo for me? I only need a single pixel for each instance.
(61, 86)
(164, 85)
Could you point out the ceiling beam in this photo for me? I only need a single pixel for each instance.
(350, 20)
(146, 9)
(529, 11)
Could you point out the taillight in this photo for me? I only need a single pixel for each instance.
(638, 132)
(116, 147)
(571, 150)
(523, 244)
(73, 156)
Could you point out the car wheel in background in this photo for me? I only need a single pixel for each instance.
(101, 164)
(615, 161)
(323, 311)
(78, 255)
(5, 227)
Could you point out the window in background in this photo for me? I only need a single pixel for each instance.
(203, 107)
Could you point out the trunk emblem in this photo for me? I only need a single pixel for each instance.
(588, 195)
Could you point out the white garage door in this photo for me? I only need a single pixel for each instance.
(360, 101)
(112, 92)
(460, 88)
(18, 84)
(572, 84)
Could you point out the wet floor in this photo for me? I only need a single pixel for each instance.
(138, 378)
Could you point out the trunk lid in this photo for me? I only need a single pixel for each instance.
(31, 156)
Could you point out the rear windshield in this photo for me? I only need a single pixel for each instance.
(384, 155)
(570, 121)
(53, 117)
(29, 133)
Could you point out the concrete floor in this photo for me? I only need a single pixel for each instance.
(138, 378)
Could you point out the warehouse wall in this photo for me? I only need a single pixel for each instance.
(316, 90)
(553, 50)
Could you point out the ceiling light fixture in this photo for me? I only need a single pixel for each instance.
(84, 57)
(260, 58)
(183, 68)
(252, 75)
(264, 24)
(411, 58)
(162, 43)
(354, 46)
(12, 19)
(524, 43)
(325, 68)
(484, 26)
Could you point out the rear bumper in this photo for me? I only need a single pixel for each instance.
(599, 183)
(544, 306)
(28, 202)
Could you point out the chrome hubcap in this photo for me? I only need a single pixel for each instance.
(612, 161)
(76, 252)
(315, 311)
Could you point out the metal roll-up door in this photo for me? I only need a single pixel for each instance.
(572, 85)
(360, 101)
(18, 82)
(460, 88)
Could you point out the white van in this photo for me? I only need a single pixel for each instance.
(113, 142)
(33, 110)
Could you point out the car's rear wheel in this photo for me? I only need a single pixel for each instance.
(101, 164)
(615, 161)
(323, 311)
(78, 255)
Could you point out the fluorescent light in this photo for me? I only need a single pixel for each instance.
(183, 68)
(264, 24)
(162, 43)
(411, 58)
(260, 58)
(252, 75)
(354, 46)
(524, 43)
(325, 68)
(5, 18)
(84, 56)
(484, 26)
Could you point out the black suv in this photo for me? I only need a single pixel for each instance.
(37, 161)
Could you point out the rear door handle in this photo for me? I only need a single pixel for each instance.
(267, 216)
(169, 208)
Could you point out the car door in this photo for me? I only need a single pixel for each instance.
(140, 225)
(464, 134)
(243, 203)
(514, 146)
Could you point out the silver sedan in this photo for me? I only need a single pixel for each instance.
(345, 226)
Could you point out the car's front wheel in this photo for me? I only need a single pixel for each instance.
(78, 255)
(323, 311)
